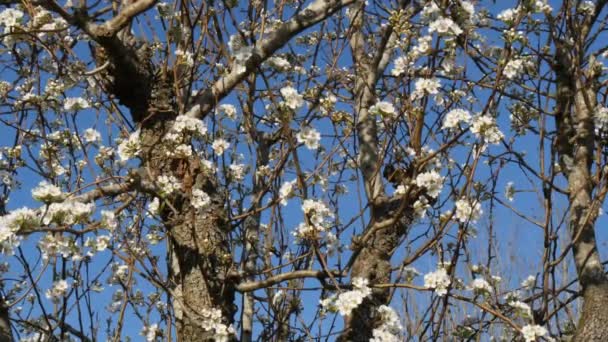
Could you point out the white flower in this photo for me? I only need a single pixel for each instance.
(130, 147)
(430, 9)
(238, 171)
(542, 6)
(293, 100)
(345, 302)
(432, 181)
(47, 192)
(508, 14)
(59, 289)
(310, 137)
(219, 146)
(401, 64)
(484, 127)
(481, 286)
(424, 45)
(101, 243)
(445, 26)
(186, 124)
(279, 63)
(438, 280)
(509, 191)
(531, 332)
(154, 206)
(317, 211)
(521, 309)
(10, 17)
(228, 110)
(200, 199)
(514, 68)
(529, 282)
(91, 135)
(75, 103)
(383, 108)
(426, 86)
(184, 57)
(286, 191)
(420, 207)
(168, 184)
(180, 151)
(390, 328)
(468, 7)
(150, 332)
(454, 117)
(466, 211)
(401, 190)
(601, 118)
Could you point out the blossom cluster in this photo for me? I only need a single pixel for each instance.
(347, 301)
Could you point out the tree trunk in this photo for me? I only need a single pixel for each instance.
(374, 264)
(200, 257)
(575, 145)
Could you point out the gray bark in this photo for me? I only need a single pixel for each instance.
(575, 147)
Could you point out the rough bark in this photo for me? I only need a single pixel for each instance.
(374, 263)
(575, 146)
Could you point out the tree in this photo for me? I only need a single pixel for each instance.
(280, 171)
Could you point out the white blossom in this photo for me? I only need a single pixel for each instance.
(481, 286)
(438, 280)
(168, 184)
(345, 302)
(514, 68)
(154, 206)
(75, 103)
(58, 290)
(383, 108)
(286, 191)
(228, 110)
(508, 14)
(542, 6)
(200, 199)
(130, 147)
(309, 137)
(390, 327)
(529, 282)
(454, 117)
(47, 192)
(445, 26)
(484, 127)
(317, 211)
(150, 332)
(465, 210)
(91, 135)
(219, 146)
(425, 86)
(293, 100)
(279, 63)
(184, 57)
(432, 181)
(400, 66)
(238, 171)
(10, 17)
(521, 309)
(468, 7)
(531, 332)
(189, 125)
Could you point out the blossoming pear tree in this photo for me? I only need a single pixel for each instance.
(303, 170)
